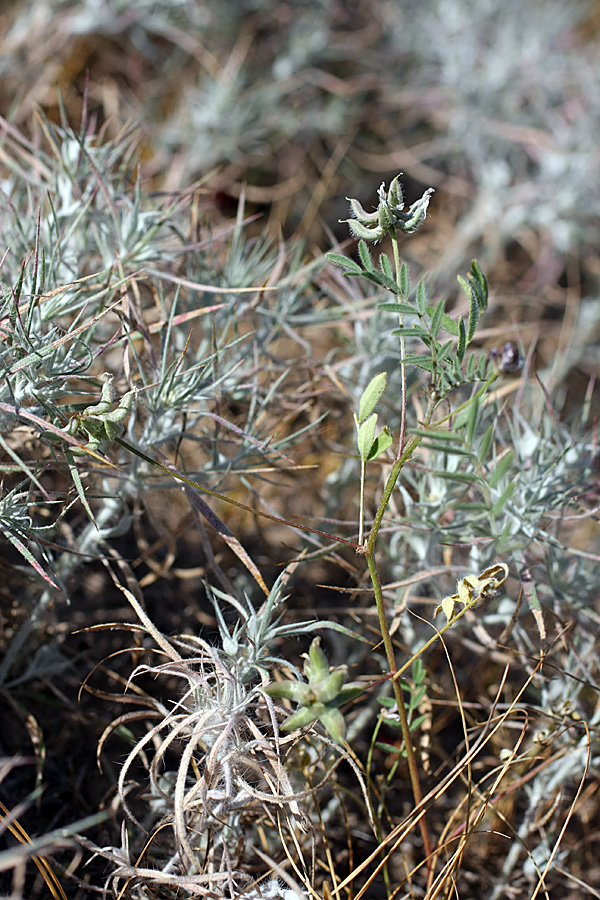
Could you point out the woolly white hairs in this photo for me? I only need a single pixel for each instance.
(274, 889)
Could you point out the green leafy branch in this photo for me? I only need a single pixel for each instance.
(444, 359)
(448, 366)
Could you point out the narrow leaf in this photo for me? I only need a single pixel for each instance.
(328, 689)
(365, 256)
(26, 553)
(473, 316)
(445, 448)
(462, 340)
(484, 445)
(476, 289)
(307, 627)
(366, 436)
(297, 691)
(386, 266)
(333, 721)
(501, 469)
(389, 748)
(350, 692)
(504, 498)
(419, 672)
(380, 279)
(299, 719)
(416, 697)
(478, 278)
(411, 331)
(78, 485)
(416, 723)
(467, 506)
(344, 263)
(389, 702)
(404, 281)
(421, 298)
(530, 592)
(440, 434)
(436, 319)
(401, 308)
(447, 323)
(443, 352)
(318, 667)
(200, 506)
(473, 417)
(422, 362)
(464, 285)
(467, 477)
(371, 396)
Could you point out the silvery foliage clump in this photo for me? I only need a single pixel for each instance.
(235, 104)
(82, 237)
(528, 470)
(69, 225)
(516, 93)
(80, 213)
(510, 91)
(213, 766)
(90, 220)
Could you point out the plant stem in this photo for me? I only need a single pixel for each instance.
(396, 252)
(387, 640)
(361, 524)
(404, 454)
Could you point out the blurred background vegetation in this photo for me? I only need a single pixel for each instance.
(300, 104)
(294, 106)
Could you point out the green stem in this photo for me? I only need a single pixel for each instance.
(397, 264)
(397, 467)
(404, 454)
(432, 640)
(388, 643)
(361, 523)
(369, 551)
